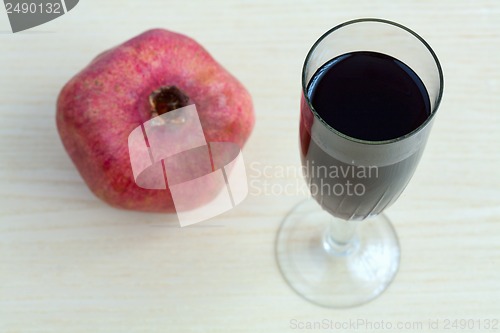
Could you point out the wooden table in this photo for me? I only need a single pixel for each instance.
(70, 263)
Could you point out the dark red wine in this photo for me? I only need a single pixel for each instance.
(369, 96)
(372, 97)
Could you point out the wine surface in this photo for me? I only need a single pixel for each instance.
(369, 96)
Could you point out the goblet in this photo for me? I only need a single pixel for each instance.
(337, 249)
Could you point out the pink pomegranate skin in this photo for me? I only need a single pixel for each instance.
(99, 107)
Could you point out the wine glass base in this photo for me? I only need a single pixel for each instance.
(330, 277)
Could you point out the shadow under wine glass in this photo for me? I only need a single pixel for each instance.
(324, 249)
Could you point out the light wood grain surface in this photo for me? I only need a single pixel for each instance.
(70, 263)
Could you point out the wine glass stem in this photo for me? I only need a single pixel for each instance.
(339, 237)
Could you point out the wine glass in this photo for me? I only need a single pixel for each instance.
(325, 249)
